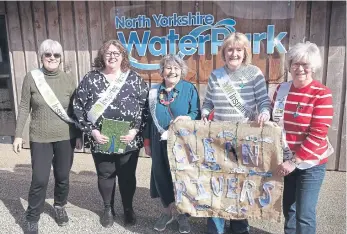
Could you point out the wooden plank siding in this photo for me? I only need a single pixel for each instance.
(52, 17)
(193, 69)
(82, 45)
(154, 8)
(108, 13)
(336, 77)
(95, 32)
(260, 20)
(68, 39)
(319, 32)
(82, 26)
(39, 24)
(17, 57)
(139, 8)
(206, 61)
(30, 53)
(297, 29)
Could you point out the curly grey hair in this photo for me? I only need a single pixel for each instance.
(305, 51)
(176, 60)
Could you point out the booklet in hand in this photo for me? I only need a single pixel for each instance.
(113, 129)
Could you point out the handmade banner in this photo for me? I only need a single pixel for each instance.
(223, 169)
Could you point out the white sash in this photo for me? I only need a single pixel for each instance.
(281, 98)
(49, 96)
(106, 98)
(278, 114)
(233, 97)
(153, 95)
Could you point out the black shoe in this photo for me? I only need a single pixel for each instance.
(106, 218)
(32, 228)
(129, 217)
(61, 217)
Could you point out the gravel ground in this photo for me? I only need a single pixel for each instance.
(85, 204)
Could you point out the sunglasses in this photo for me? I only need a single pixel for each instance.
(48, 55)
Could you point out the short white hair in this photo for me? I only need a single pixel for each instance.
(307, 52)
(174, 59)
(50, 46)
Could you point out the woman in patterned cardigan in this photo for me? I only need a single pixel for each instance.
(113, 91)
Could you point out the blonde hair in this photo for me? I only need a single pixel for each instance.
(238, 39)
(50, 46)
(305, 51)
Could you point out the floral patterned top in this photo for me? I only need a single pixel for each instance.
(130, 104)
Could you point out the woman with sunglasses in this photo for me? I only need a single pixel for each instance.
(47, 94)
(115, 92)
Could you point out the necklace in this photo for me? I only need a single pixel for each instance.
(163, 94)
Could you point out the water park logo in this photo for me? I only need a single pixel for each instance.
(206, 30)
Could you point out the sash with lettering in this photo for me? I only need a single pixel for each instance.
(233, 97)
(49, 96)
(153, 96)
(107, 97)
(278, 114)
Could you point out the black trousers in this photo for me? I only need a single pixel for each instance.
(43, 155)
(121, 165)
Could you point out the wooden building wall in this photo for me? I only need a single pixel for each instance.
(81, 27)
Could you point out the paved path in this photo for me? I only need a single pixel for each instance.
(84, 205)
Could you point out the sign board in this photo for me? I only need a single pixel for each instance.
(206, 32)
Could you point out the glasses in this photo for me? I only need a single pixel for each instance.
(297, 65)
(48, 55)
(114, 53)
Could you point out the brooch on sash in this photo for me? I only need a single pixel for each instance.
(298, 107)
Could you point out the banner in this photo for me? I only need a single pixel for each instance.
(223, 169)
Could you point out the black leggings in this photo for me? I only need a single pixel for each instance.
(121, 165)
(43, 155)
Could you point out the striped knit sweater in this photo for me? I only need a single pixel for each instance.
(249, 81)
(308, 114)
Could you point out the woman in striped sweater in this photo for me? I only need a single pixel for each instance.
(236, 92)
(303, 107)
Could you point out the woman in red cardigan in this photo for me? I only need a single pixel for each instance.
(303, 107)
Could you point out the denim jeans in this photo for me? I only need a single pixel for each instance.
(216, 225)
(300, 197)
